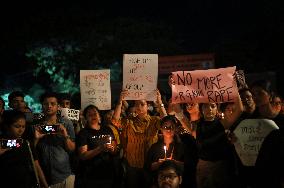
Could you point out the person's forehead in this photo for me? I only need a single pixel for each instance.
(277, 99)
(50, 99)
(167, 123)
(18, 98)
(246, 93)
(169, 170)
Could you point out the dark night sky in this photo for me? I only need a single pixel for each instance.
(203, 24)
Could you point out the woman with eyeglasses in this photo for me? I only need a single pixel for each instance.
(168, 147)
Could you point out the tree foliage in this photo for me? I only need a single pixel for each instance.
(98, 46)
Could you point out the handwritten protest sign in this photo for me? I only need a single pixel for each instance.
(140, 75)
(71, 114)
(250, 134)
(203, 86)
(95, 88)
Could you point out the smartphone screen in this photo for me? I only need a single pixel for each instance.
(11, 143)
(49, 129)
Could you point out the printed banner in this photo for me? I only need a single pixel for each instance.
(250, 134)
(95, 88)
(203, 86)
(140, 76)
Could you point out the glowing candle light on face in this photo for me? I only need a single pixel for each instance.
(165, 148)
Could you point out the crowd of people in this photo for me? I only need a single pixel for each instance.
(155, 144)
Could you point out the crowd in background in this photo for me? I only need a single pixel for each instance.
(140, 143)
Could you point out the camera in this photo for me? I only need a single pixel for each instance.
(11, 143)
(49, 129)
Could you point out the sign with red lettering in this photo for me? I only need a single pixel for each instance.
(250, 134)
(140, 75)
(95, 88)
(204, 86)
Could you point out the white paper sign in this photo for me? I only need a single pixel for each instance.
(250, 134)
(95, 88)
(71, 114)
(140, 75)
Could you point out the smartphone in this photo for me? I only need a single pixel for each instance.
(49, 129)
(11, 143)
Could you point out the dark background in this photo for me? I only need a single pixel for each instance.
(246, 34)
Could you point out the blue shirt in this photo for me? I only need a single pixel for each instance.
(53, 155)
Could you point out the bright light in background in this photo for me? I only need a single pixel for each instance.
(35, 107)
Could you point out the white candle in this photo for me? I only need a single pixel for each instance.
(165, 148)
(110, 140)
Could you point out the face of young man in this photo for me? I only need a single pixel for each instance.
(169, 179)
(50, 106)
(18, 103)
(65, 103)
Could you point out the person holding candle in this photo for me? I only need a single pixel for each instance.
(169, 147)
(137, 135)
(96, 149)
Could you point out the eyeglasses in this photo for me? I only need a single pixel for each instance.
(167, 127)
(276, 103)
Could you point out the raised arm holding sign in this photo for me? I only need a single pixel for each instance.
(140, 74)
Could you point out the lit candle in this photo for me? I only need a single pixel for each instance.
(165, 148)
(110, 140)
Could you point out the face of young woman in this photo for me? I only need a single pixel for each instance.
(192, 107)
(276, 104)
(93, 117)
(168, 129)
(209, 111)
(141, 107)
(247, 101)
(17, 129)
(108, 116)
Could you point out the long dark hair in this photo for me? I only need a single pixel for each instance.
(175, 123)
(9, 117)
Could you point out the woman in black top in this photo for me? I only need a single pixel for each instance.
(214, 168)
(96, 147)
(169, 147)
